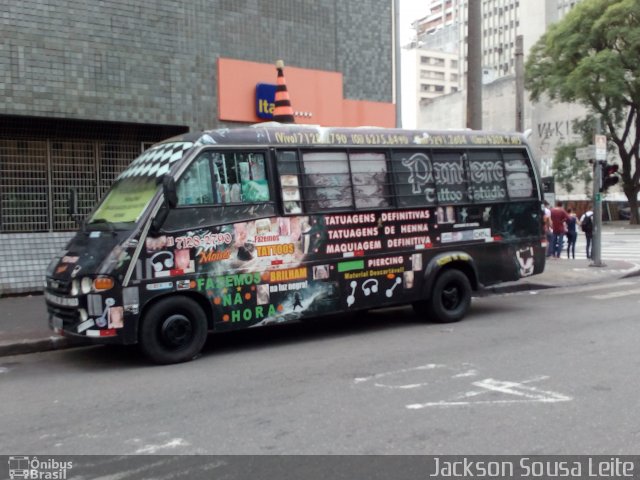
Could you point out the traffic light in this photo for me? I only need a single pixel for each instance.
(609, 177)
(548, 185)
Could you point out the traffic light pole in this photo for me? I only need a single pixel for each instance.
(596, 251)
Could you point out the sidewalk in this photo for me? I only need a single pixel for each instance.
(24, 329)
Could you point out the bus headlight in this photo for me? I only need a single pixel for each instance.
(75, 288)
(86, 285)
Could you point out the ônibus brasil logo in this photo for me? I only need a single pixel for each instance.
(33, 468)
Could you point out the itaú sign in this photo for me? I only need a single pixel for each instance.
(266, 103)
(265, 100)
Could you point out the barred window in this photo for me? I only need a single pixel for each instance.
(36, 175)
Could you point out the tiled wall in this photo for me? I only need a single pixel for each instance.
(155, 62)
(24, 258)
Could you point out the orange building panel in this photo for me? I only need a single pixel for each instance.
(316, 96)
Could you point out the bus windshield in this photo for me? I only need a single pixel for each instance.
(126, 201)
(134, 188)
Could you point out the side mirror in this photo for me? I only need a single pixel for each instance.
(169, 191)
(170, 201)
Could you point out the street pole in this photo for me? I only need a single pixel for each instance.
(596, 258)
(600, 158)
(474, 65)
(519, 84)
(397, 53)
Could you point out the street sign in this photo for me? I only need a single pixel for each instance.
(586, 153)
(601, 147)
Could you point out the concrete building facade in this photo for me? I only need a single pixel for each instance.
(550, 124)
(86, 86)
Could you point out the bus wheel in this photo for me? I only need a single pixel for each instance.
(450, 298)
(173, 330)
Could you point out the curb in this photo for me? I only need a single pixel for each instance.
(514, 288)
(635, 272)
(22, 347)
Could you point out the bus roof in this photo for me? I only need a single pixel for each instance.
(272, 133)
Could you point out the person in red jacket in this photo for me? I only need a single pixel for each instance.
(558, 218)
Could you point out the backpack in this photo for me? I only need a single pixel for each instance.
(587, 224)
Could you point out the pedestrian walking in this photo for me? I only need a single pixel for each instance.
(558, 218)
(586, 225)
(572, 233)
(547, 228)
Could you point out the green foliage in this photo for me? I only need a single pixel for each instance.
(567, 169)
(592, 57)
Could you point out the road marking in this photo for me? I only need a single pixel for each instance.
(523, 393)
(174, 443)
(401, 387)
(607, 296)
(468, 373)
(429, 366)
(508, 392)
(4, 369)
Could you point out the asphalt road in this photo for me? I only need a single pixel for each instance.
(553, 371)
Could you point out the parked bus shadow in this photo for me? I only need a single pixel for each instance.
(272, 336)
(339, 325)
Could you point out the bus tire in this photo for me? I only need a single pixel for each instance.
(173, 330)
(449, 300)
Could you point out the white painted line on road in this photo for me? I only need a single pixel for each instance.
(4, 369)
(524, 394)
(607, 296)
(174, 443)
(401, 387)
(429, 366)
(468, 373)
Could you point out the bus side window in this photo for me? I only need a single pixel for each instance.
(290, 182)
(413, 178)
(195, 186)
(369, 177)
(450, 175)
(216, 178)
(519, 176)
(240, 178)
(486, 176)
(328, 185)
